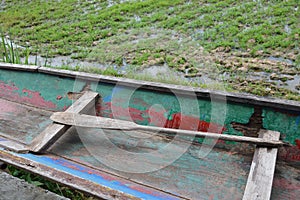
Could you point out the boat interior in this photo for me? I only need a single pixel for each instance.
(143, 164)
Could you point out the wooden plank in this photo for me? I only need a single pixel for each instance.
(55, 131)
(243, 98)
(13, 146)
(29, 68)
(192, 176)
(20, 122)
(260, 179)
(101, 185)
(82, 120)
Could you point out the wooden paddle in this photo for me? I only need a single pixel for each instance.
(82, 120)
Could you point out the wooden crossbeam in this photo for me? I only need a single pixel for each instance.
(54, 131)
(260, 179)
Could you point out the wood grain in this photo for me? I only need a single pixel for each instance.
(29, 68)
(114, 124)
(260, 179)
(13, 146)
(55, 131)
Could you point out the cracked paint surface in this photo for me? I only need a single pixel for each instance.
(145, 107)
(38, 90)
(157, 109)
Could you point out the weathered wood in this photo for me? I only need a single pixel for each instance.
(20, 122)
(182, 90)
(260, 179)
(13, 146)
(191, 176)
(29, 68)
(76, 181)
(114, 124)
(55, 131)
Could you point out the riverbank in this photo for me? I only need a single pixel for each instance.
(248, 46)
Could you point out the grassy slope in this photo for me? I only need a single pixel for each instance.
(210, 37)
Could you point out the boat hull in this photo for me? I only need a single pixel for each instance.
(28, 98)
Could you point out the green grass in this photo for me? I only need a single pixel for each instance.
(46, 184)
(261, 88)
(210, 37)
(66, 26)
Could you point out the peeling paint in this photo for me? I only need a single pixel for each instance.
(38, 90)
(57, 93)
(28, 97)
(155, 109)
(97, 177)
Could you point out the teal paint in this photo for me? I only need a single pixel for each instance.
(285, 123)
(189, 175)
(49, 87)
(143, 100)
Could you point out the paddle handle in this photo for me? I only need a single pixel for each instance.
(116, 124)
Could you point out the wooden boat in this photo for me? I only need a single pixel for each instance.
(225, 147)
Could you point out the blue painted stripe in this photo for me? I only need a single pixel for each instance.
(82, 173)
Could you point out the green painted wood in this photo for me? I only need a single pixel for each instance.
(190, 175)
(43, 91)
(56, 94)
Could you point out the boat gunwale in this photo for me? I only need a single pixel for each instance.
(239, 98)
(19, 67)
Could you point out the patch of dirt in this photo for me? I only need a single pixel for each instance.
(245, 62)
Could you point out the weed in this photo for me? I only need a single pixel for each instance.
(46, 184)
(27, 53)
(154, 32)
(10, 54)
(222, 21)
